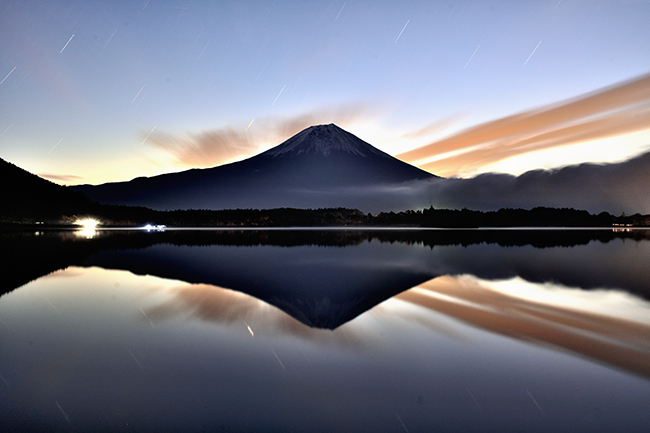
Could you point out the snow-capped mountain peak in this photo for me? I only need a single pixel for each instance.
(324, 140)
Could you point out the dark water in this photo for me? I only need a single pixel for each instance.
(329, 331)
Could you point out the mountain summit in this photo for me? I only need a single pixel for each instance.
(321, 166)
(323, 140)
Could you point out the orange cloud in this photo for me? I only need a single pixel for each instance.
(616, 110)
(60, 177)
(431, 128)
(205, 149)
(220, 146)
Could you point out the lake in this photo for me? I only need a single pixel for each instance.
(325, 330)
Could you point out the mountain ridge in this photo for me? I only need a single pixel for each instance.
(25, 196)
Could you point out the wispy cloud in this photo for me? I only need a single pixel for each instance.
(431, 128)
(620, 109)
(230, 143)
(60, 177)
(206, 148)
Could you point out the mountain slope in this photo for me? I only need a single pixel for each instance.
(25, 197)
(321, 166)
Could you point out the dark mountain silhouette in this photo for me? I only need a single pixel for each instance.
(28, 198)
(25, 197)
(321, 166)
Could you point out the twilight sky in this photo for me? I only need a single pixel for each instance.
(99, 91)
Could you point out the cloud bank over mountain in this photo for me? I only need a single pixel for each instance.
(614, 188)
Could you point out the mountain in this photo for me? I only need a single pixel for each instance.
(321, 166)
(25, 197)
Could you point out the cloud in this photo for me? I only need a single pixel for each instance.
(431, 128)
(60, 177)
(614, 188)
(594, 187)
(620, 109)
(207, 148)
(228, 144)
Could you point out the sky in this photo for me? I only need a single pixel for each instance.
(105, 91)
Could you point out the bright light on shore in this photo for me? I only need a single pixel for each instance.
(157, 228)
(88, 226)
(88, 223)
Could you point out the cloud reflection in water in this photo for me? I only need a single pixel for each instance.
(600, 336)
(542, 314)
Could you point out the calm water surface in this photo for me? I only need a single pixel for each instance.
(299, 331)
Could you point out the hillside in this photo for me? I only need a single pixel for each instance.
(28, 198)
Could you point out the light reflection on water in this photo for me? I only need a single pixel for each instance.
(101, 348)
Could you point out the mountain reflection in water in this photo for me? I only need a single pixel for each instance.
(230, 308)
(300, 272)
(281, 329)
